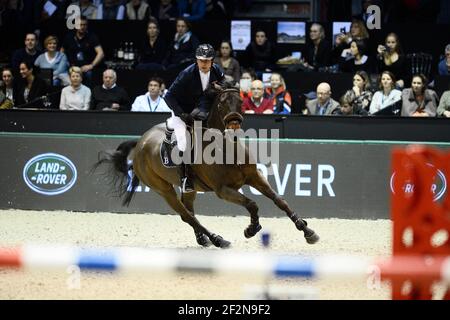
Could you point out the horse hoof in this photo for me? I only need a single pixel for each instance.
(252, 230)
(202, 240)
(301, 224)
(312, 237)
(219, 242)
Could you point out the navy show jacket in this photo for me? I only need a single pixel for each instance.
(186, 92)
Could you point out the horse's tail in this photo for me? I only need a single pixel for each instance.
(118, 170)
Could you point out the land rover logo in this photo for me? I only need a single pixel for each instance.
(439, 186)
(50, 174)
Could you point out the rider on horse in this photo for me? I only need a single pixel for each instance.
(189, 99)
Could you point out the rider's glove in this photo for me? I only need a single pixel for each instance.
(187, 118)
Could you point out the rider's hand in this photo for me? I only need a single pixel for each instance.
(187, 118)
(198, 114)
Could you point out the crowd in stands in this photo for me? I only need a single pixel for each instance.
(73, 59)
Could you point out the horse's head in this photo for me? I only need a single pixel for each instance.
(226, 112)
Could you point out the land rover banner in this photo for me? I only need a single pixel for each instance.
(323, 179)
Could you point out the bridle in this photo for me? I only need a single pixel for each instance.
(219, 104)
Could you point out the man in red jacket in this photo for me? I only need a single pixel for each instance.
(257, 103)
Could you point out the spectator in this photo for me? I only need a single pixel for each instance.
(29, 53)
(191, 10)
(323, 104)
(138, 10)
(348, 106)
(226, 61)
(75, 96)
(166, 10)
(109, 96)
(83, 49)
(444, 105)
(181, 51)
(6, 89)
(444, 65)
(318, 52)
(358, 31)
(55, 60)
(32, 89)
(111, 10)
(387, 94)
(355, 58)
(245, 83)
(49, 19)
(8, 86)
(152, 100)
(260, 53)
(390, 58)
(277, 93)
(153, 49)
(88, 9)
(361, 88)
(257, 104)
(418, 101)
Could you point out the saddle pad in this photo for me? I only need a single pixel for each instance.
(165, 154)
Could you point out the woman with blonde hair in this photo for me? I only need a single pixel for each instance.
(76, 96)
(55, 60)
(281, 98)
(358, 32)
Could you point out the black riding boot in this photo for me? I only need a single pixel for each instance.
(186, 183)
(169, 132)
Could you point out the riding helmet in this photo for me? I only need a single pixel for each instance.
(205, 52)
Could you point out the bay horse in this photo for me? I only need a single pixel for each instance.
(223, 179)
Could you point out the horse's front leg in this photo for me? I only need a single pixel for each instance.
(231, 195)
(188, 201)
(260, 183)
(171, 197)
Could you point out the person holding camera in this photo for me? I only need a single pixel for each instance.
(391, 58)
(358, 32)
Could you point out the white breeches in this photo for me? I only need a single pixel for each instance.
(179, 128)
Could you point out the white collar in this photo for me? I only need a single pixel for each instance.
(363, 60)
(113, 86)
(204, 77)
(50, 60)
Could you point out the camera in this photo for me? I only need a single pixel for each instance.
(343, 31)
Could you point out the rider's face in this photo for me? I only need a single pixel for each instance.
(204, 65)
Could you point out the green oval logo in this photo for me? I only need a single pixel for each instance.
(50, 174)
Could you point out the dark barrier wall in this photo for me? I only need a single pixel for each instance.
(295, 126)
(323, 180)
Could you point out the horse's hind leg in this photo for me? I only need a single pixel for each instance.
(260, 183)
(170, 196)
(188, 201)
(234, 196)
